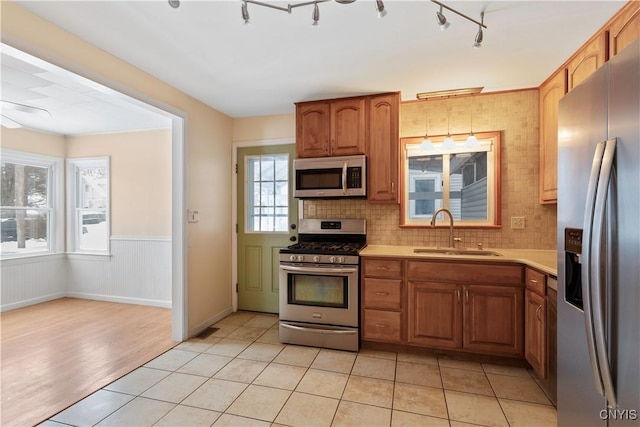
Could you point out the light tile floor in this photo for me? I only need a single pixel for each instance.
(241, 375)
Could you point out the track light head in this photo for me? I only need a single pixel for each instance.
(245, 13)
(442, 20)
(174, 3)
(479, 35)
(380, 8)
(315, 15)
(478, 39)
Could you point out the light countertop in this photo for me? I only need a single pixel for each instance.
(545, 261)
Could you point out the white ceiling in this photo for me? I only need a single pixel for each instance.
(203, 48)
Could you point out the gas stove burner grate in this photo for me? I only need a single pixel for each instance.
(327, 248)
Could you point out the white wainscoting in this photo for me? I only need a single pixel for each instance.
(32, 280)
(138, 271)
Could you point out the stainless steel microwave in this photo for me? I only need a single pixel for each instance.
(331, 177)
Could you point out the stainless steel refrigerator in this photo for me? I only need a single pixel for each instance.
(599, 247)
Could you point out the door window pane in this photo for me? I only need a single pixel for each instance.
(267, 193)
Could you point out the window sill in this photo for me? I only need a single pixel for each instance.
(89, 256)
(32, 257)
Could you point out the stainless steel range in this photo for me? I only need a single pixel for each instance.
(319, 284)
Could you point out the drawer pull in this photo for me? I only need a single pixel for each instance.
(382, 267)
(533, 281)
(381, 325)
(382, 293)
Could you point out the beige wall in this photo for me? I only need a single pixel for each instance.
(262, 128)
(208, 136)
(33, 142)
(140, 178)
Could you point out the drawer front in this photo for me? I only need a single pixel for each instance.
(536, 281)
(493, 274)
(381, 325)
(382, 293)
(386, 268)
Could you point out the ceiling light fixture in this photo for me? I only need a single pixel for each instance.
(449, 93)
(442, 20)
(380, 8)
(472, 141)
(479, 35)
(426, 144)
(448, 143)
(315, 15)
(245, 13)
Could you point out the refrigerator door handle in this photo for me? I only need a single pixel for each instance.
(586, 263)
(596, 271)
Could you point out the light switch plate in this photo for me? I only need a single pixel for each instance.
(517, 222)
(193, 216)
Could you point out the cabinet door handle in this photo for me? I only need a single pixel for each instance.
(381, 325)
(393, 187)
(382, 293)
(466, 294)
(458, 293)
(538, 311)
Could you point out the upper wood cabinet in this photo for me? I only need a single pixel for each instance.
(625, 28)
(348, 127)
(331, 128)
(587, 60)
(313, 129)
(383, 147)
(550, 93)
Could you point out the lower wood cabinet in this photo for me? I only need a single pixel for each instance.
(435, 315)
(536, 332)
(493, 320)
(382, 325)
(476, 318)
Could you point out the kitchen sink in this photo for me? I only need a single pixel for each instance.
(453, 251)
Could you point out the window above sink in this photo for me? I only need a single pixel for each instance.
(461, 177)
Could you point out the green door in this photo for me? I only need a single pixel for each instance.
(267, 219)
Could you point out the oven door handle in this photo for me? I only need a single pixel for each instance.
(318, 330)
(297, 269)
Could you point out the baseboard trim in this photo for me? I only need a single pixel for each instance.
(32, 301)
(124, 300)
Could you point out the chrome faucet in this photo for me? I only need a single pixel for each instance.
(433, 224)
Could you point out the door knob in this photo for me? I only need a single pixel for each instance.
(293, 226)
(293, 238)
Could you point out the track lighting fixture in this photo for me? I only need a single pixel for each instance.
(316, 14)
(479, 36)
(380, 8)
(442, 20)
(245, 13)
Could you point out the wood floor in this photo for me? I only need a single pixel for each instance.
(56, 353)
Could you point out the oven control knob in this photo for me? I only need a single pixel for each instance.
(316, 258)
(332, 260)
(292, 258)
(340, 260)
(300, 258)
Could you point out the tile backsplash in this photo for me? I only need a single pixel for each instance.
(515, 114)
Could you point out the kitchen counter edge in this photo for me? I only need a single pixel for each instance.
(542, 260)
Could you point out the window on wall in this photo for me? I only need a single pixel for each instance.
(88, 215)
(267, 204)
(29, 217)
(462, 178)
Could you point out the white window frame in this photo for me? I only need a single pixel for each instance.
(55, 196)
(247, 216)
(489, 142)
(73, 228)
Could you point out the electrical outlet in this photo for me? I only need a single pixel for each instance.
(312, 209)
(517, 222)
